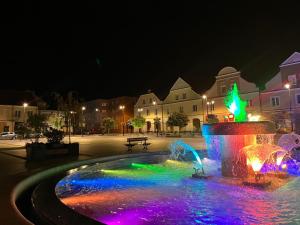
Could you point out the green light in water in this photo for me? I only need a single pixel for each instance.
(153, 168)
(235, 104)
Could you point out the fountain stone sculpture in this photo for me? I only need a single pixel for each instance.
(224, 140)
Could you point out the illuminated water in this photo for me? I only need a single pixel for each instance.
(165, 194)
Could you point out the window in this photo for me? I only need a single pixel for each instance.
(104, 104)
(195, 108)
(103, 110)
(29, 113)
(181, 109)
(168, 112)
(292, 79)
(184, 96)
(223, 89)
(144, 102)
(176, 97)
(298, 99)
(249, 103)
(275, 101)
(155, 111)
(150, 101)
(147, 112)
(18, 114)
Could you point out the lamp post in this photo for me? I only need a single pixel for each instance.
(204, 97)
(83, 108)
(288, 87)
(24, 111)
(212, 106)
(207, 105)
(122, 107)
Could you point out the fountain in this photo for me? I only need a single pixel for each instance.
(179, 150)
(224, 140)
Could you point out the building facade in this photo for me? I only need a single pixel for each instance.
(16, 107)
(120, 109)
(183, 99)
(281, 97)
(224, 81)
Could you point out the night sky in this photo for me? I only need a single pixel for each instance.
(105, 51)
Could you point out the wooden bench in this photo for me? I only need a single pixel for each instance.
(137, 140)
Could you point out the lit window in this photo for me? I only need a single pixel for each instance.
(184, 96)
(195, 108)
(104, 104)
(275, 101)
(103, 110)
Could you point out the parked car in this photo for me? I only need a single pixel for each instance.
(8, 136)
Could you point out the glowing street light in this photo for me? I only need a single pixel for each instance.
(25, 104)
(154, 102)
(204, 98)
(83, 108)
(122, 107)
(288, 87)
(96, 109)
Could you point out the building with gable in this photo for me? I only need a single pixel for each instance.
(281, 102)
(224, 81)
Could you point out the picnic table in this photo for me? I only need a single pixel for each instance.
(137, 140)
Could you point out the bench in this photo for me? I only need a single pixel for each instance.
(137, 140)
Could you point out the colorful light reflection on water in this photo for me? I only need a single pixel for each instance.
(165, 194)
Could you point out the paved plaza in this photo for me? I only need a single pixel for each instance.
(14, 166)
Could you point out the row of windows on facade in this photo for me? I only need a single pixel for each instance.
(183, 96)
(181, 110)
(18, 113)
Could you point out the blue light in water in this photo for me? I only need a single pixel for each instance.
(106, 183)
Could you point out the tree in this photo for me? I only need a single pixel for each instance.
(22, 129)
(177, 119)
(138, 122)
(37, 123)
(108, 124)
(157, 124)
(56, 120)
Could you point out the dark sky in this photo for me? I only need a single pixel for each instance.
(125, 49)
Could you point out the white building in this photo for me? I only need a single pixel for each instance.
(224, 81)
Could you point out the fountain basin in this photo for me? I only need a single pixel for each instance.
(224, 141)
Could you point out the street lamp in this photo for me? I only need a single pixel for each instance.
(122, 107)
(204, 97)
(207, 105)
(24, 109)
(96, 109)
(212, 107)
(288, 87)
(83, 108)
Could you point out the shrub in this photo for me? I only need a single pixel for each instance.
(54, 136)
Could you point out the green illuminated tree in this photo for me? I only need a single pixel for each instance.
(235, 104)
(177, 119)
(138, 122)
